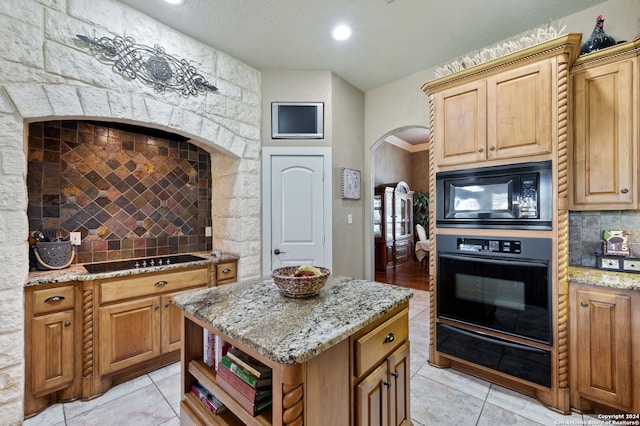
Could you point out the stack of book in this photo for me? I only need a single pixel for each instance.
(208, 398)
(245, 379)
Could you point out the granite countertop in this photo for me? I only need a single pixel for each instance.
(604, 278)
(286, 330)
(77, 272)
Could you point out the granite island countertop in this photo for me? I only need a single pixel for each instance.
(287, 330)
(77, 272)
(604, 278)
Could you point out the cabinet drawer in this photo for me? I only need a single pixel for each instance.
(145, 285)
(374, 346)
(225, 272)
(53, 299)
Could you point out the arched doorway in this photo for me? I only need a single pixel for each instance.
(400, 156)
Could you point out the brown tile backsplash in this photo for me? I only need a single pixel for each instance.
(586, 228)
(129, 191)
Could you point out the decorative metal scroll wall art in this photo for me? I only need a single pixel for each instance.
(151, 65)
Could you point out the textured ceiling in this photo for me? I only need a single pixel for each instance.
(391, 38)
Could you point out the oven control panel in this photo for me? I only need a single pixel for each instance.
(482, 245)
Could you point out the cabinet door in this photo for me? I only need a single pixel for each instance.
(372, 398)
(460, 123)
(52, 352)
(171, 324)
(519, 114)
(603, 342)
(604, 151)
(399, 398)
(129, 333)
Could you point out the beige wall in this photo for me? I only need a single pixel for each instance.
(348, 143)
(343, 132)
(402, 103)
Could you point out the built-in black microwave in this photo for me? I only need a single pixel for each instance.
(516, 196)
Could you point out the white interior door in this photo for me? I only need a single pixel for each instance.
(298, 197)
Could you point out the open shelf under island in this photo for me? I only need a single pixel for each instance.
(341, 357)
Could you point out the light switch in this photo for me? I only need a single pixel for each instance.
(349, 218)
(207, 231)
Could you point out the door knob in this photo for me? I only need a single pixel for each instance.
(277, 251)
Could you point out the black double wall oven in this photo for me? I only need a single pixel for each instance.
(494, 292)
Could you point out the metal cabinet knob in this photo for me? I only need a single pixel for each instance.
(624, 190)
(492, 148)
(584, 304)
(480, 149)
(67, 324)
(389, 338)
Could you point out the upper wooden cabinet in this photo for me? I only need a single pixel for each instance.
(604, 149)
(504, 109)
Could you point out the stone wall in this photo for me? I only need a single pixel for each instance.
(46, 73)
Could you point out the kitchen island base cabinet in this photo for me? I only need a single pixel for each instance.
(325, 390)
(604, 355)
(382, 397)
(316, 392)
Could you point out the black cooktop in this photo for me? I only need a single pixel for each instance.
(121, 265)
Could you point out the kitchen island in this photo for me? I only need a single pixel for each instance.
(339, 357)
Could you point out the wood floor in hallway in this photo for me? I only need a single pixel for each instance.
(409, 274)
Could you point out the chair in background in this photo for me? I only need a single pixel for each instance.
(422, 247)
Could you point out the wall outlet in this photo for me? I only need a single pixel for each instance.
(76, 238)
(207, 231)
(349, 218)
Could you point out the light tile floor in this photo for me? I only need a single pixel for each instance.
(438, 396)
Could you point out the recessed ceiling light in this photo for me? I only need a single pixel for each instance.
(341, 32)
(174, 1)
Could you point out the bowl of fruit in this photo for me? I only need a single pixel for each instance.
(300, 281)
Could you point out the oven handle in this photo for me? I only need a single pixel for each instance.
(496, 261)
(492, 339)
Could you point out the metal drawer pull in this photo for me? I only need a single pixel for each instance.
(226, 271)
(161, 283)
(67, 324)
(54, 299)
(389, 338)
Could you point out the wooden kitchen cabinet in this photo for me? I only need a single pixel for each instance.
(382, 397)
(51, 337)
(137, 322)
(226, 272)
(506, 115)
(500, 110)
(130, 333)
(604, 148)
(604, 355)
(381, 391)
(461, 120)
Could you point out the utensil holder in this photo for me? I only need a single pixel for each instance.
(55, 255)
